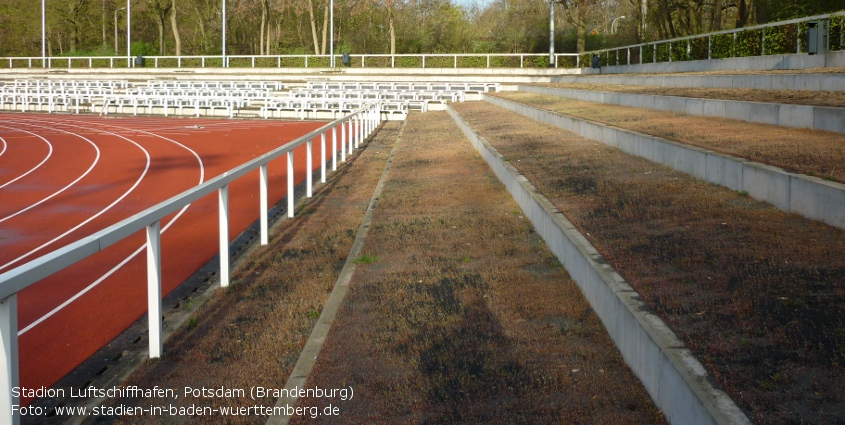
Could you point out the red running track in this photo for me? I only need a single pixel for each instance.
(65, 177)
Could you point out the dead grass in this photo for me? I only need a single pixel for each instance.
(252, 333)
(811, 152)
(796, 97)
(466, 316)
(757, 294)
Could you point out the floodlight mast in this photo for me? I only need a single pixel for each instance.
(552, 34)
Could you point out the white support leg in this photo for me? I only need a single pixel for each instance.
(343, 142)
(351, 136)
(323, 158)
(290, 184)
(309, 156)
(9, 372)
(263, 189)
(360, 128)
(334, 148)
(223, 197)
(154, 288)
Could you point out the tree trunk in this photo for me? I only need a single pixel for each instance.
(325, 28)
(313, 27)
(175, 28)
(742, 14)
(717, 15)
(582, 29)
(263, 30)
(391, 28)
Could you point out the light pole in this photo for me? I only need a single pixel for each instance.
(43, 33)
(224, 33)
(128, 34)
(613, 24)
(552, 33)
(116, 51)
(331, 34)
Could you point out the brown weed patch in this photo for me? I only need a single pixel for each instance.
(757, 294)
(466, 316)
(811, 152)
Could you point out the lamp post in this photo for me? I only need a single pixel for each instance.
(613, 24)
(331, 34)
(128, 34)
(43, 33)
(116, 52)
(552, 33)
(224, 33)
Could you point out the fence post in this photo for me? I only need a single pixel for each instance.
(343, 142)
(290, 184)
(223, 197)
(488, 61)
(9, 372)
(351, 135)
(709, 46)
(733, 46)
(762, 41)
(323, 157)
(309, 159)
(154, 288)
(263, 189)
(423, 61)
(334, 148)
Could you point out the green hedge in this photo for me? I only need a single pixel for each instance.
(721, 46)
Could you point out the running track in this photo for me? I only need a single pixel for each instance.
(65, 177)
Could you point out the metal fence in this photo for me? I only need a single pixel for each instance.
(775, 38)
(353, 129)
(455, 61)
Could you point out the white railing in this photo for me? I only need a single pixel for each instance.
(662, 50)
(435, 60)
(359, 124)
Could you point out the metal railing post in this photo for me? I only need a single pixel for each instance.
(263, 185)
(309, 159)
(154, 288)
(322, 157)
(290, 184)
(334, 148)
(709, 47)
(351, 135)
(343, 142)
(9, 373)
(223, 197)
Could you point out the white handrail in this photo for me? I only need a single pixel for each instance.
(365, 119)
(723, 32)
(275, 61)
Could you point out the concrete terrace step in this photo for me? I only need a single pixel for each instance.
(774, 81)
(786, 115)
(808, 196)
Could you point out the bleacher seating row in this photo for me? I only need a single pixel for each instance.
(264, 99)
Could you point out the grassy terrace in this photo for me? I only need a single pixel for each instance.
(462, 314)
(757, 294)
(811, 152)
(456, 312)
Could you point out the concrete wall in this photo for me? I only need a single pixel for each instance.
(812, 82)
(808, 196)
(785, 115)
(751, 63)
(676, 381)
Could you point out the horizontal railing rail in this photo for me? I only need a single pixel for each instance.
(432, 60)
(358, 125)
(782, 37)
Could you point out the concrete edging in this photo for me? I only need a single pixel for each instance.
(675, 380)
(804, 195)
(784, 115)
(808, 82)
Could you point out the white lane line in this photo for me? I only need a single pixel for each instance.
(93, 164)
(101, 212)
(4, 146)
(49, 153)
(130, 257)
